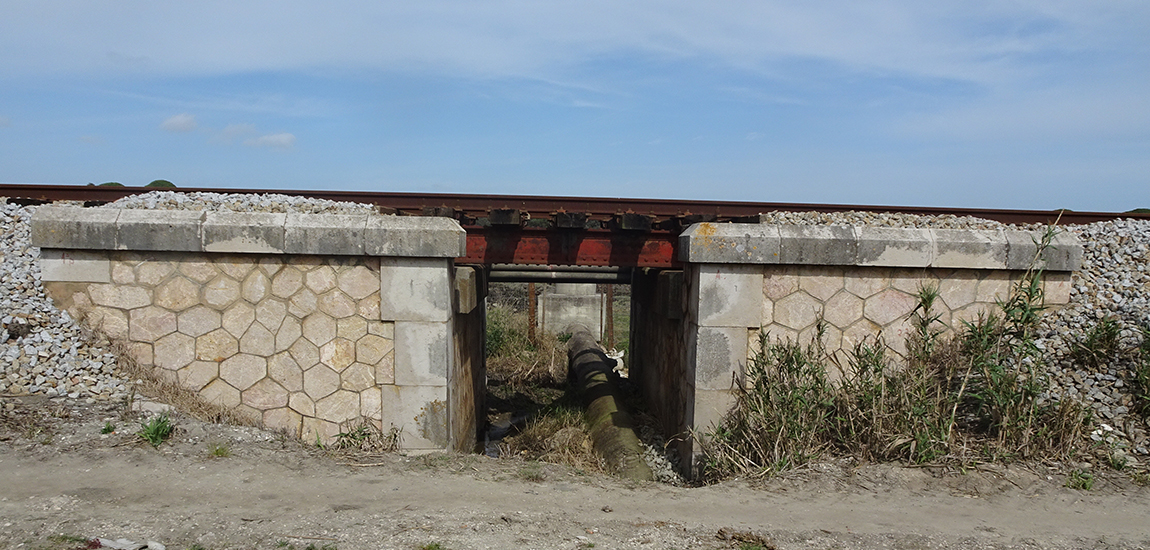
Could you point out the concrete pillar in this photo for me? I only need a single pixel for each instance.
(572, 303)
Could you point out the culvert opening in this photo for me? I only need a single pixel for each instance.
(533, 411)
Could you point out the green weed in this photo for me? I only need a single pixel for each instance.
(219, 450)
(1080, 480)
(156, 430)
(108, 428)
(432, 546)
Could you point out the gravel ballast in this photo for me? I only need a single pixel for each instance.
(44, 351)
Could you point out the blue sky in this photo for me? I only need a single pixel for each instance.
(1002, 104)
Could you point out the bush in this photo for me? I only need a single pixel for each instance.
(160, 183)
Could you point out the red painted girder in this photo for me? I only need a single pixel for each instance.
(556, 247)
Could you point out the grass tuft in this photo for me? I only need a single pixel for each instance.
(156, 430)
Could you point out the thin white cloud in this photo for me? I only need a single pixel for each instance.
(232, 132)
(282, 140)
(182, 122)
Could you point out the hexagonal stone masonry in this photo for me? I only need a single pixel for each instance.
(174, 351)
(216, 346)
(889, 306)
(319, 329)
(221, 292)
(799, 310)
(178, 294)
(198, 321)
(843, 309)
(337, 354)
(148, 324)
(243, 370)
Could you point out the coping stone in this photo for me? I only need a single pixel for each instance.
(738, 243)
(817, 245)
(167, 230)
(244, 232)
(969, 249)
(74, 227)
(325, 234)
(894, 247)
(414, 236)
(1063, 254)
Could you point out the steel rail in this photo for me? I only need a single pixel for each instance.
(470, 207)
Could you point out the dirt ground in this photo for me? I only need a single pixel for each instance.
(62, 481)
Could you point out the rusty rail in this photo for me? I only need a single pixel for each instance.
(628, 214)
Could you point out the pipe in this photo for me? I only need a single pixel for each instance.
(612, 429)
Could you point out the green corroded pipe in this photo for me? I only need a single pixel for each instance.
(612, 429)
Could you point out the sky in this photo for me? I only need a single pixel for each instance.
(996, 104)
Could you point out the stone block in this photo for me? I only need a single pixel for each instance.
(338, 407)
(726, 295)
(894, 247)
(817, 245)
(420, 414)
(1063, 254)
(888, 306)
(843, 309)
(422, 353)
(414, 237)
(75, 266)
(264, 395)
(283, 419)
(244, 232)
(243, 370)
(220, 393)
(710, 407)
(337, 354)
(358, 282)
(466, 290)
(797, 311)
(559, 310)
(178, 294)
(216, 346)
(415, 289)
(174, 351)
(719, 355)
(326, 234)
(969, 248)
(737, 243)
(71, 227)
(166, 230)
(319, 382)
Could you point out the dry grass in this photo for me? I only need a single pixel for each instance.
(514, 359)
(558, 435)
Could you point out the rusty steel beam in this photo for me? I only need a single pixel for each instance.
(550, 247)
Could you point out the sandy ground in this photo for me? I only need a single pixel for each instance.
(60, 477)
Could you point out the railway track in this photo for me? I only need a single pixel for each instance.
(562, 212)
(511, 230)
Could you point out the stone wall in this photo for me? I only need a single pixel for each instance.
(307, 323)
(745, 278)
